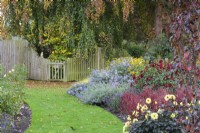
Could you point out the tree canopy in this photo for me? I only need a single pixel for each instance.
(76, 27)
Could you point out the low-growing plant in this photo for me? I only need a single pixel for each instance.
(120, 66)
(157, 123)
(76, 89)
(114, 104)
(101, 93)
(100, 76)
(175, 114)
(117, 73)
(105, 87)
(131, 98)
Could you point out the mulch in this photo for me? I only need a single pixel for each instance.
(19, 123)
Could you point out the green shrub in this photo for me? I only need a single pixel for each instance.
(114, 53)
(159, 47)
(11, 90)
(136, 50)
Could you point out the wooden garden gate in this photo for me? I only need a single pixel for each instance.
(75, 69)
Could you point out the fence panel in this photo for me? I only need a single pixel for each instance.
(12, 53)
(17, 51)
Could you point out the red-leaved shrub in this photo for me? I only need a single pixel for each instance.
(128, 102)
(130, 99)
(184, 93)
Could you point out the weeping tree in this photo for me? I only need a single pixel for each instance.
(58, 26)
(82, 26)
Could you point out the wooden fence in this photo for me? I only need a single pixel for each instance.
(17, 51)
(12, 52)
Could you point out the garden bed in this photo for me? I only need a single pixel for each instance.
(20, 123)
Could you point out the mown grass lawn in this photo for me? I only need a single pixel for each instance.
(54, 111)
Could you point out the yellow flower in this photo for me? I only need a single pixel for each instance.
(135, 120)
(136, 114)
(172, 115)
(198, 102)
(129, 118)
(172, 97)
(181, 103)
(146, 116)
(167, 97)
(138, 106)
(175, 103)
(127, 124)
(133, 113)
(132, 72)
(188, 104)
(148, 100)
(144, 108)
(154, 116)
(124, 129)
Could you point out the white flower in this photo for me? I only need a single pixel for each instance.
(13, 70)
(135, 120)
(4, 76)
(9, 72)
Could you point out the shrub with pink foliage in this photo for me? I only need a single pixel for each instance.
(128, 102)
(130, 99)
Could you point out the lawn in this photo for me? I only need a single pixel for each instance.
(54, 111)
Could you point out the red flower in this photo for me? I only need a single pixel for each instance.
(133, 77)
(161, 64)
(160, 61)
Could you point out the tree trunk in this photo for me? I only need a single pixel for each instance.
(158, 18)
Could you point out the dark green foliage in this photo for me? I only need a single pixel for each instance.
(136, 50)
(159, 47)
(164, 124)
